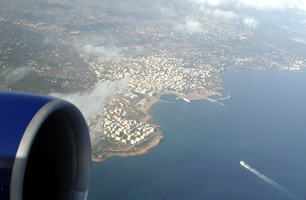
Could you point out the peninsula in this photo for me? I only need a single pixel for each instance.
(70, 46)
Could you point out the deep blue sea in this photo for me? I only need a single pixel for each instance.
(263, 123)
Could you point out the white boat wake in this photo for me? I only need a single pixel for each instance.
(270, 181)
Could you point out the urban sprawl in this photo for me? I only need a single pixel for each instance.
(72, 51)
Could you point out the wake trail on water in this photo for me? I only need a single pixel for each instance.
(274, 184)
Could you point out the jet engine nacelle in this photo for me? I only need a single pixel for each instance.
(44, 149)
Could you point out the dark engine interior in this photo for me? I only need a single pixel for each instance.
(51, 168)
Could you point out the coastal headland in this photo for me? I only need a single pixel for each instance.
(126, 147)
(73, 53)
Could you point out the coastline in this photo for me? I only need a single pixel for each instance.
(147, 107)
(156, 138)
(152, 142)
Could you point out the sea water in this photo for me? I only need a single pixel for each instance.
(263, 123)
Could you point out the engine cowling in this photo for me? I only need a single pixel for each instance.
(44, 149)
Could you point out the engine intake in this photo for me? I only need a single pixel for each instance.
(44, 149)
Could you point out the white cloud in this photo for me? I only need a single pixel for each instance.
(90, 102)
(263, 5)
(257, 4)
(190, 26)
(298, 4)
(226, 15)
(273, 4)
(250, 22)
(11, 77)
(108, 52)
(214, 3)
(230, 16)
(166, 11)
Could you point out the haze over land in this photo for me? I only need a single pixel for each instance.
(138, 50)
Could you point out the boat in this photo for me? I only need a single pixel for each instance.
(187, 100)
(244, 164)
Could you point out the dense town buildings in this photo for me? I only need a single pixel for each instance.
(73, 52)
